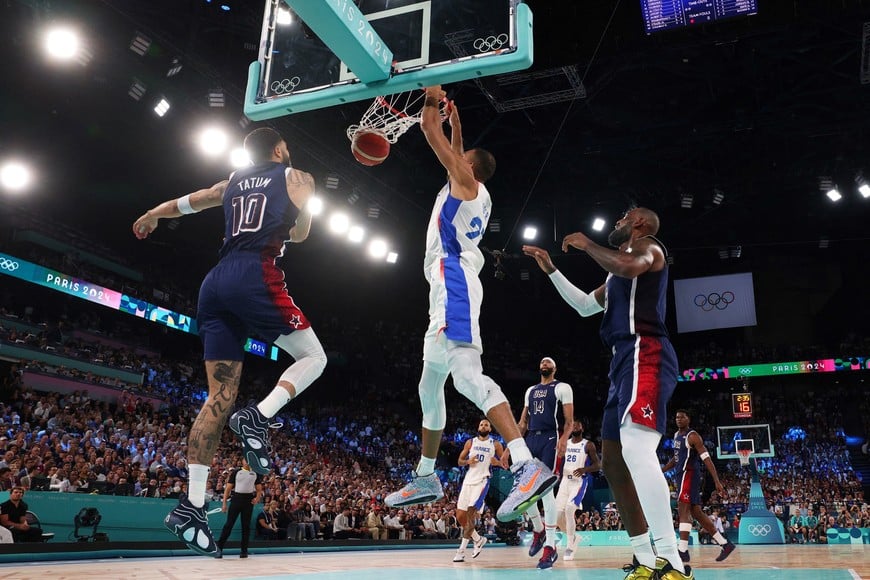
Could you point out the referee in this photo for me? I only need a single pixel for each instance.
(246, 489)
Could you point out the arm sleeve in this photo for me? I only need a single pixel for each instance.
(564, 393)
(585, 304)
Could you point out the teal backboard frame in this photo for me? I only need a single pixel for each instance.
(335, 22)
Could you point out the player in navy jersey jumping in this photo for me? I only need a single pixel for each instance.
(540, 423)
(689, 451)
(643, 375)
(264, 207)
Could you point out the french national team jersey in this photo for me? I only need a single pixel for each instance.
(257, 211)
(543, 401)
(484, 450)
(454, 232)
(575, 458)
(686, 458)
(635, 306)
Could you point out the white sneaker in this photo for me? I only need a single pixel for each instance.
(478, 546)
(569, 555)
(459, 557)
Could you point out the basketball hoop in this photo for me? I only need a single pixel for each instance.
(392, 115)
(743, 455)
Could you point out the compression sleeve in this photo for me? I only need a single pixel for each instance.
(585, 304)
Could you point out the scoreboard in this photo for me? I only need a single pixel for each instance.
(741, 405)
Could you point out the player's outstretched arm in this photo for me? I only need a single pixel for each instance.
(191, 203)
(463, 184)
(644, 255)
(300, 188)
(585, 304)
(455, 129)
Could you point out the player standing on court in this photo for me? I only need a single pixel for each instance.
(452, 343)
(479, 454)
(264, 206)
(643, 375)
(581, 461)
(540, 423)
(689, 451)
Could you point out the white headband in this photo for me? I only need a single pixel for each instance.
(549, 359)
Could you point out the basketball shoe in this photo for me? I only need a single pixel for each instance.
(189, 523)
(548, 558)
(425, 489)
(478, 546)
(459, 556)
(726, 551)
(538, 539)
(570, 548)
(684, 556)
(532, 479)
(665, 571)
(637, 571)
(252, 429)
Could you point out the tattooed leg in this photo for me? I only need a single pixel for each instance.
(223, 386)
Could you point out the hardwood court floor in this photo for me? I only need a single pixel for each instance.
(495, 563)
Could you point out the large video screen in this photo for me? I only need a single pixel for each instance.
(668, 14)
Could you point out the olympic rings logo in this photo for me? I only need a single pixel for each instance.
(8, 265)
(759, 530)
(285, 85)
(714, 300)
(491, 42)
(745, 371)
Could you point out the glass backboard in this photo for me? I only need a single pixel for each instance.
(731, 438)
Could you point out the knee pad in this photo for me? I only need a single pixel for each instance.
(469, 380)
(431, 391)
(303, 346)
(639, 446)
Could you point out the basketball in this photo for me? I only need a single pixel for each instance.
(369, 148)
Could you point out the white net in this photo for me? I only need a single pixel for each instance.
(392, 115)
(743, 456)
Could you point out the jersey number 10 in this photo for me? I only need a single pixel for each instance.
(248, 212)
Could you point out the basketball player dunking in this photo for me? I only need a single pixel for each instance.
(479, 454)
(540, 422)
(264, 206)
(689, 451)
(581, 461)
(643, 375)
(452, 344)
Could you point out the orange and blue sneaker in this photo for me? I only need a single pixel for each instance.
(532, 479)
(421, 489)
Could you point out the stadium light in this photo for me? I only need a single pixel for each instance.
(530, 233)
(213, 141)
(339, 223)
(162, 107)
(239, 158)
(834, 194)
(62, 44)
(15, 176)
(285, 17)
(864, 190)
(356, 234)
(598, 224)
(315, 205)
(378, 249)
(392, 257)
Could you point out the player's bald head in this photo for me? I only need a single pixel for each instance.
(650, 220)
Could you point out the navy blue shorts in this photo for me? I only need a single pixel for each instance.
(643, 376)
(690, 487)
(244, 294)
(542, 444)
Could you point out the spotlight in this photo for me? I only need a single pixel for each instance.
(723, 253)
(213, 141)
(718, 196)
(392, 257)
(530, 233)
(62, 44)
(339, 223)
(524, 275)
(332, 181)
(687, 200)
(356, 234)
(15, 176)
(285, 17)
(736, 251)
(495, 225)
(834, 194)
(216, 98)
(378, 249)
(162, 107)
(174, 68)
(315, 205)
(824, 243)
(239, 158)
(864, 190)
(137, 90)
(374, 212)
(140, 44)
(598, 224)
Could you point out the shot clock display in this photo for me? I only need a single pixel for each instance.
(741, 405)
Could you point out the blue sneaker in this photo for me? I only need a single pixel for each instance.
(425, 489)
(538, 540)
(252, 429)
(548, 558)
(190, 525)
(532, 479)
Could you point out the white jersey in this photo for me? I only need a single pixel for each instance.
(484, 451)
(575, 458)
(455, 230)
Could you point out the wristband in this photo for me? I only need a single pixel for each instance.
(704, 455)
(184, 205)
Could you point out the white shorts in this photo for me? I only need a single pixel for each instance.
(472, 495)
(454, 312)
(571, 491)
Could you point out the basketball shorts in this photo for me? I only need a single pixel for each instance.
(472, 495)
(690, 487)
(542, 445)
(244, 294)
(571, 492)
(643, 376)
(455, 296)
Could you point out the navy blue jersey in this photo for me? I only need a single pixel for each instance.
(685, 457)
(635, 306)
(257, 211)
(543, 401)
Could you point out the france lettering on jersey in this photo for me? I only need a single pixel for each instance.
(484, 451)
(257, 211)
(635, 306)
(575, 458)
(686, 458)
(543, 401)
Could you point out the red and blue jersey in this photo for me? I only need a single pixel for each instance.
(685, 457)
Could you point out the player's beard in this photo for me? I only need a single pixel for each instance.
(482, 434)
(577, 434)
(619, 236)
(285, 158)
(547, 373)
